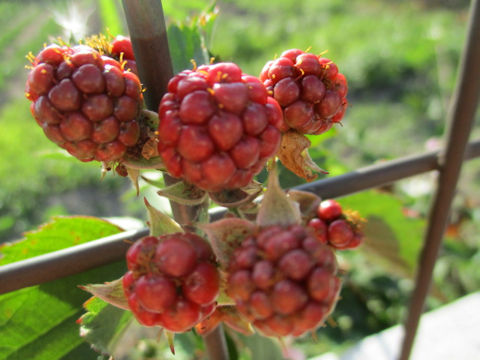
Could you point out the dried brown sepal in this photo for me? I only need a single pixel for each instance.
(293, 154)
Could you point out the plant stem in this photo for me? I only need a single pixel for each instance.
(148, 32)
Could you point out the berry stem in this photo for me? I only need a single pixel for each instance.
(148, 33)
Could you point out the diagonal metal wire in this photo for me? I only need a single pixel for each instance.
(460, 121)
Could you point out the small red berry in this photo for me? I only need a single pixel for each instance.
(329, 210)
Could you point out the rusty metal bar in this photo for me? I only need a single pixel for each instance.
(66, 262)
(103, 251)
(148, 32)
(460, 121)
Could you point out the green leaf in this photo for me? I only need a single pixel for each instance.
(106, 326)
(110, 16)
(261, 348)
(186, 44)
(60, 233)
(39, 322)
(392, 240)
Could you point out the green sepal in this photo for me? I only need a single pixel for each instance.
(184, 193)
(110, 292)
(226, 235)
(276, 208)
(160, 223)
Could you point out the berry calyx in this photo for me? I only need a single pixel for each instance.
(217, 127)
(172, 281)
(309, 88)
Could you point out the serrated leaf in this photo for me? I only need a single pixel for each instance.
(60, 233)
(39, 322)
(159, 222)
(184, 193)
(226, 235)
(107, 327)
(276, 208)
(111, 292)
(393, 239)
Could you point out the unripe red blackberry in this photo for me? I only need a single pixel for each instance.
(336, 227)
(172, 281)
(283, 280)
(122, 50)
(309, 88)
(217, 127)
(86, 103)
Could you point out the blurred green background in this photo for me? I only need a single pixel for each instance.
(400, 59)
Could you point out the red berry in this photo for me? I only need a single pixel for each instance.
(155, 293)
(88, 96)
(309, 88)
(319, 229)
(175, 256)
(329, 210)
(217, 127)
(181, 317)
(202, 284)
(122, 44)
(295, 264)
(340, 233)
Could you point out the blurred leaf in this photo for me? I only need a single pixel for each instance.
(185, 45)
(393, 239)
(110, 17)
(260, 347)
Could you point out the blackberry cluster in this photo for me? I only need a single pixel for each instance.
(334, 227)
(309, 88)
(217, 127)
(172, 281)
(85, 102)
(283, 280)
